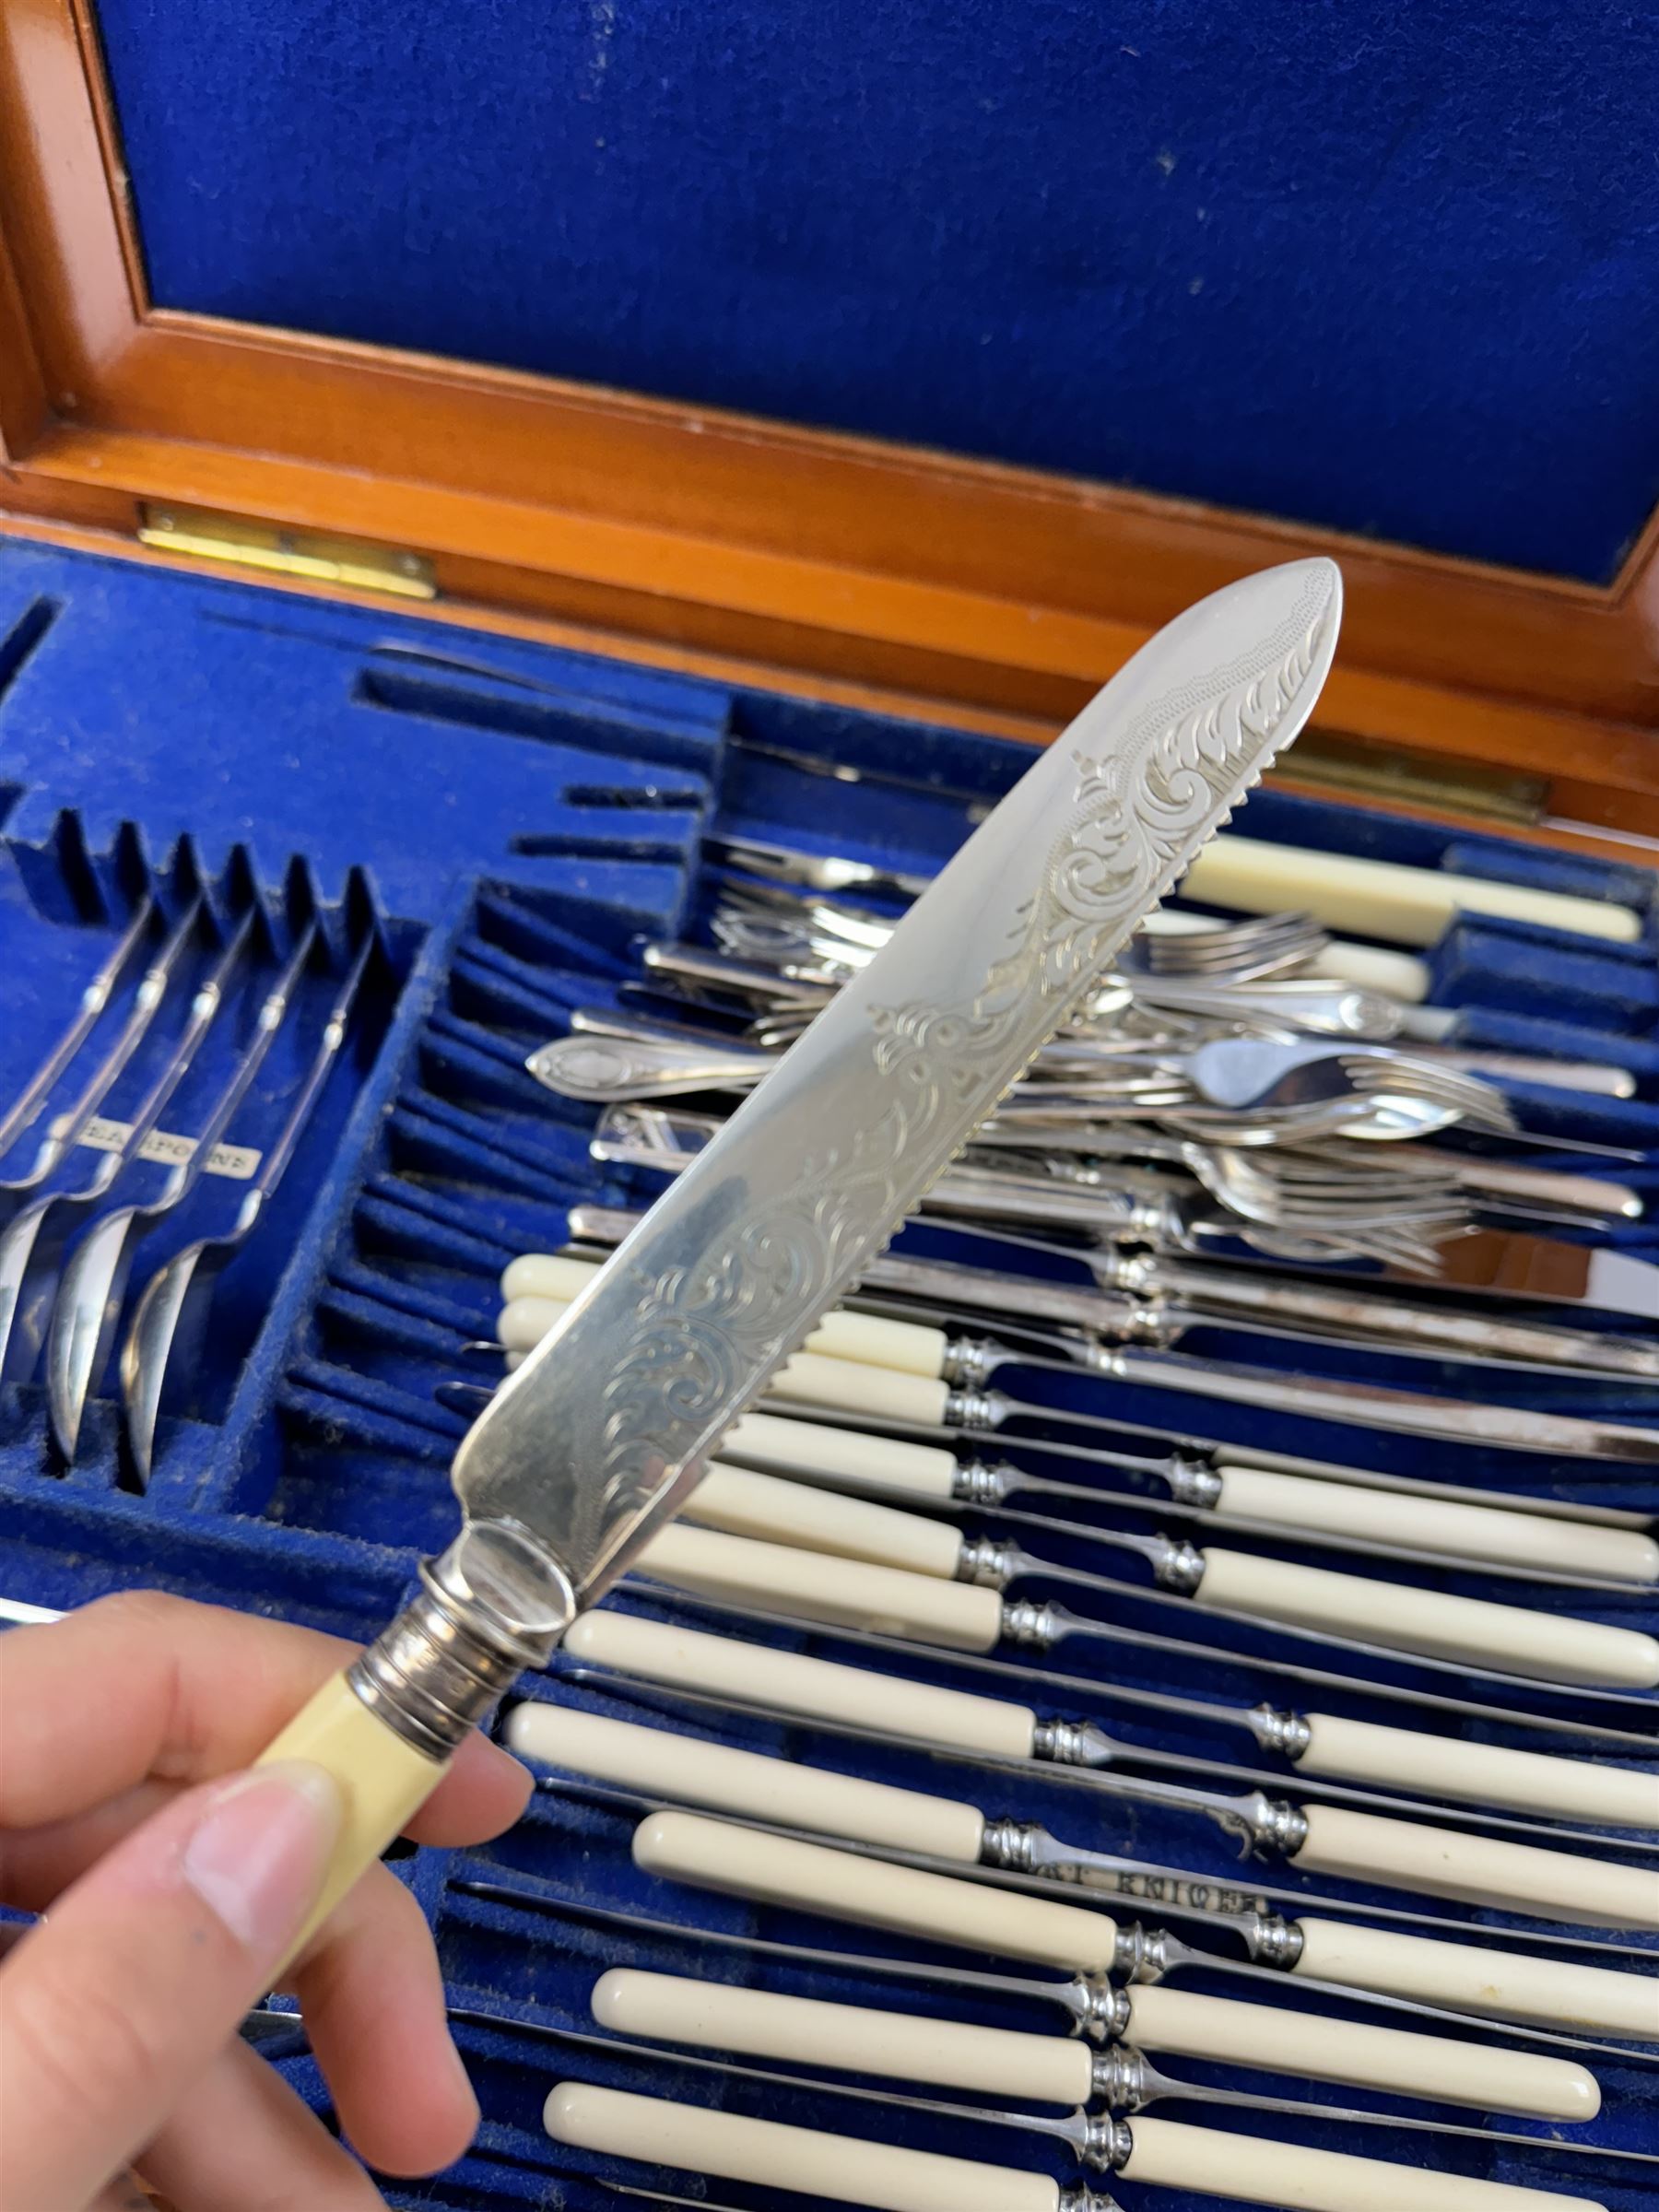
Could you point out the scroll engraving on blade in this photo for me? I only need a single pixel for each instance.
(763, 1231)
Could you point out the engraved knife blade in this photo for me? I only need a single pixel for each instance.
(607, 1425)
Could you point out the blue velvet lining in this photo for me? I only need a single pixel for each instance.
(168, 732)
(1392, 270)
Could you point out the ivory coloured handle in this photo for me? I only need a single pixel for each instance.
(852, 2039)
(1474, 1532)
(1380, 898)
(875, 1340)
(1438, 2067)
(1397, 974)
(809, 1379)
(383, 1782)
(905, 1344)
(805, 2160)
(906, 1900)
(1493, 1983)
(745, 1782)
(1261, 2169)
(1579, 1790)
(777, 1446)
(789, 1682)
(879, 1394)
(1553, 1646)
(523, 1322)
(742, 1504)
(957, 1616)
(1484, 1870)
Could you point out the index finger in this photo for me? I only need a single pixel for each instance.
(144, 1685)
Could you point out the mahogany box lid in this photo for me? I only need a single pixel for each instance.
(937, 355)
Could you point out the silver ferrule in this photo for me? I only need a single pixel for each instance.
(981, 1482)
(970, 1362)
(1148, 1321)
(1013, 1846)
(973, 1408)
(1264, 1825)
(1118, 1270)
(1117, 2079)
(1194, 1482)
(1274, 1942)
(1142, 1955)
(1066, 1742)
(1106, 2150)
(1286, 1733)
(984, 1561)
(1077, 2199)
(1102, 2009)
(491, 1607)
(1097, 2142)
(1280, 1827)
(1177, 1566)
(1028, 1625)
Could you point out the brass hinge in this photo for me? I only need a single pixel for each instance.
(1327, 763)
(237, 543)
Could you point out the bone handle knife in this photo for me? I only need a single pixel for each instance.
(1486, 1980)
(1349, 1750)
(1161, 2152)
(1472, 1631)
(1061, 2069)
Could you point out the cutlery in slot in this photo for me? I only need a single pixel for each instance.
(171, 1316)
(86, 1314)
(73, 1124)
(1433, 1629)
(1170, 2154)
(1002, 1722)
(845, 1879)
(20, 1114)
(1468, 2069)
(1323, 1746)
(1099, 2086)
(32, 1247)
(1319, 1839)
(1339, 1505)
(1418, 1852)
(1472, 2069)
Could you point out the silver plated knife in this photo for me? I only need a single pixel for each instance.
(605, 1430)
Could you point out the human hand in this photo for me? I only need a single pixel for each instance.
(176, 1883)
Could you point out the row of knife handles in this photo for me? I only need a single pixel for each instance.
(593, 2118)
(1110, 1990)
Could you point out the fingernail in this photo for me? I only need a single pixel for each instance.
(257, 1856)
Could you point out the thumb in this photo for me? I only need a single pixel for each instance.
(113, 2006)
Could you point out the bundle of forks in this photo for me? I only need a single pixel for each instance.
(1297, 1082)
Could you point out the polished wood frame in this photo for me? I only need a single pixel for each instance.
(960, 586)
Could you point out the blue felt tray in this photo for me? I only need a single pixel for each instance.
(512, 822)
